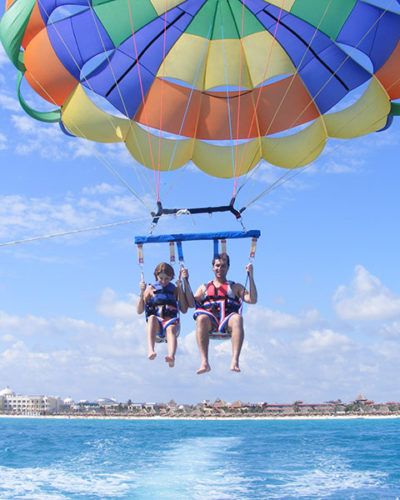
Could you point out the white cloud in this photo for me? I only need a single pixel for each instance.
(100, 189)
(9, 103)
(109, 306)
(284, 357)
(22, 216)
(3, 56)
(271, 320)
(324, 340)
(3, 142)
(366, 298)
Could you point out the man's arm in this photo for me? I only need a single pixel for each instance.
(249, 296)
(199, 294)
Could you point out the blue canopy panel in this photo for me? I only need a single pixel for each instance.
(78, 39)
(224, 235)
(371, 30)
(121, 80)
(326, 70)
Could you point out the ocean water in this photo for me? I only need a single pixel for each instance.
(53, 459)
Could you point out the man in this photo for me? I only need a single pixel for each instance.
(218, 309)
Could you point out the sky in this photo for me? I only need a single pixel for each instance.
(327, 322)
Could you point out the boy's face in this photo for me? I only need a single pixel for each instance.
(163, 278)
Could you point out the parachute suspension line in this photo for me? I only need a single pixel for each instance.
(290, 174)
(99, 156)
(142, 90)
(158, 180)
(226, 86)
(277, 24)
(278, 182)
(197, 210)
(258, 93)
(69, 233)
(140, 176)
(240, 33)
(200, 63)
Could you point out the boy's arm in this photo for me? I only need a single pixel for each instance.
(180, 295)
(144, 293)
(187, 288)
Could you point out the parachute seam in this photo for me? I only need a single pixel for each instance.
(153, 40)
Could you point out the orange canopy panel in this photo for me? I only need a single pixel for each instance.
(170, 107)
(285, 104)
(213, 116)
(389, 74)
(35, 24)
(44, 71)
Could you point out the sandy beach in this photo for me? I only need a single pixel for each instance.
(131, 417)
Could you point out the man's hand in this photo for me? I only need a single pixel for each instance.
(250, 270)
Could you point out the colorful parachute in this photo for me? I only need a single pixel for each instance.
(224, 83)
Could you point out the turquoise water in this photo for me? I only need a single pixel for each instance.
(101, 459)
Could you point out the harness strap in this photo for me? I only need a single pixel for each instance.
(180, 251)
(171, 252)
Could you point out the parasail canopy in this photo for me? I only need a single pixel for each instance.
(222, 83)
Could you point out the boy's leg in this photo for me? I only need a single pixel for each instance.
(172, 344)
(153, 327)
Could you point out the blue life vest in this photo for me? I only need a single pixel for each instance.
(163, 304)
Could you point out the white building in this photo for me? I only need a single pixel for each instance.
(12, 403)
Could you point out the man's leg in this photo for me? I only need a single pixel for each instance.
(153, 327)
(172, 331)
(235, 326)
(203, 328)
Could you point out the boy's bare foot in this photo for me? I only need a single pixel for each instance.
(170, 360)
(204, 368)
(152, 355)
(235, 367)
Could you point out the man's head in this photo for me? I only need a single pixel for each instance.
(222, 256)
(220, 265)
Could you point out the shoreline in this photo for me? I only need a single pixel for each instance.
(213, 418)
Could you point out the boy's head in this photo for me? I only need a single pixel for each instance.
(164, 269)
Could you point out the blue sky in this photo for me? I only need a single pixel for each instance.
(327, 324)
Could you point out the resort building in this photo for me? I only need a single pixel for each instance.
(14, 404)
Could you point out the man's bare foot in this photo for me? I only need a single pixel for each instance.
(204, 368)
(152, 355)
(170, 360)
(235, 367)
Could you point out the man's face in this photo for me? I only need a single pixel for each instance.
(220, 268)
